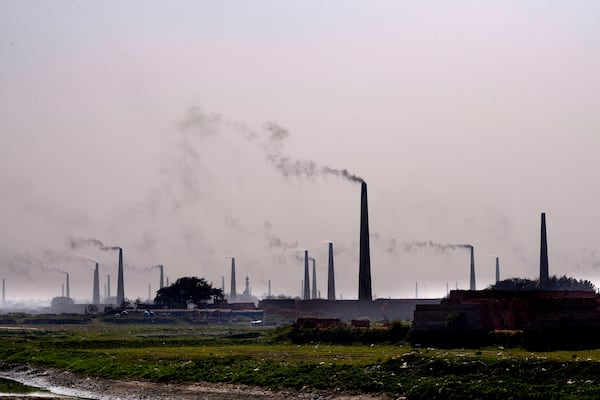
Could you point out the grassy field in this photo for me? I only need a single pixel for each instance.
(258, 356)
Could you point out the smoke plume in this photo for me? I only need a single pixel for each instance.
(75, 244)
(308, 168)
(275, 242)
(86, 258)
(393, 246)
(299, 254)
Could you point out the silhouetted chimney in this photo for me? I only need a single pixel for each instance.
(120, 281)
(544, 255)
(314, 280)
(330, 276)
(161, 282)
(247, 289)
(306, 294)
(269, 292)
(233, 291)
(364, 269)
(472, 285)
(96, 289)
(497, 269)
(68, 291)
(149, 290)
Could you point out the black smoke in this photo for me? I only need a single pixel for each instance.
(76, 244)
(393, 246)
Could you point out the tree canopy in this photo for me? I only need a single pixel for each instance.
(554, 283)
(186, 290)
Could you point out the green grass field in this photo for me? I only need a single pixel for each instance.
(258, 356)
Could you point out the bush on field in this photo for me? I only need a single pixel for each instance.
(395, 333)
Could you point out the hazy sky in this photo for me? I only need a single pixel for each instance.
(148, 125)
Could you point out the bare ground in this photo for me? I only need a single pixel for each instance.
(68, 385)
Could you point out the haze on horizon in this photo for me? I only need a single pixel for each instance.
(160, 128)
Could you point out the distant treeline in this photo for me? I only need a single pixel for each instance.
(554, 283)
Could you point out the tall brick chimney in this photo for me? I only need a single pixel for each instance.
(364, 268)
(314, 293)
(330, 276)
(543, 255)
(233, 290)
(472, 285)
(497, 269)
(120, 281)
(96, 289)
(161, 281)
(306, 294)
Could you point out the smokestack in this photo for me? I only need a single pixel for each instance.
(314, 280)
(68, 291)
(269, 292)
(472, 281)
(62, 290)
(232, 293)
(161, 282)
(247, 289)
(416, 290)
(306, 294)
(330, 276)
(96, 289)
(543, 255)
(364, 269)
(497, 269)
(223, 284)
(149, 290)
(120, 282)
(108, 286)
(167, 281)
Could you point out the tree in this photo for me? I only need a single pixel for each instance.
(516, 284)
(554, 283)
(186, 290)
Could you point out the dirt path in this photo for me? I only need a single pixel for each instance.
(67, 384)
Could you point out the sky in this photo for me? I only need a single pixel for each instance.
(165, 128)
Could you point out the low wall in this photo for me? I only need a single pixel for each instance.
(377, 310)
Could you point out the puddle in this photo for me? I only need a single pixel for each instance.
(12, 389)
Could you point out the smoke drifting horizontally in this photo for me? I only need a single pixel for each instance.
(394, 246)
(86, 258)
(308, 169)
(299, 168)
(275, 242)
(75, 244)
